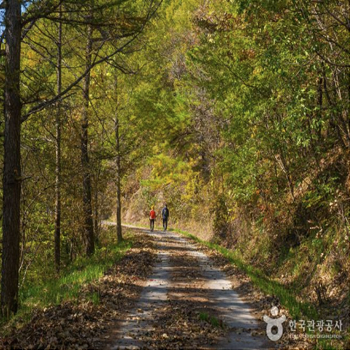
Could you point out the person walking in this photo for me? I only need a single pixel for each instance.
(165, 216)
(152, 217)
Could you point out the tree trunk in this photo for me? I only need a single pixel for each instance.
(12, 161)
(118, 180)
(58, 152)
(88, 221)
(96, 205)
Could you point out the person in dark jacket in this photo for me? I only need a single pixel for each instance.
(165, 216)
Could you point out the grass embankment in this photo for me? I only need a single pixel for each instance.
(67, 286)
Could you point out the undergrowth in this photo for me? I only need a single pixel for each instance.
(66, 287)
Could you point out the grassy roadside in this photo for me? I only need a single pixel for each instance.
(67, 286)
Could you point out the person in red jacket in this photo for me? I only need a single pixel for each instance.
(152, 217)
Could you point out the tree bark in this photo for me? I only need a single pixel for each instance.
(12, 161)
(118, 182)
(58, 151)
(96, 205)
(87, 206)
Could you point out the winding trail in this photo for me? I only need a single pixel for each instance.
(186, 276)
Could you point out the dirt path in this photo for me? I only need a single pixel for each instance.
(165, 293)
(188, 303)
(139, 321)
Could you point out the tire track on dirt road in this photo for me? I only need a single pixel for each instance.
(154, 294)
